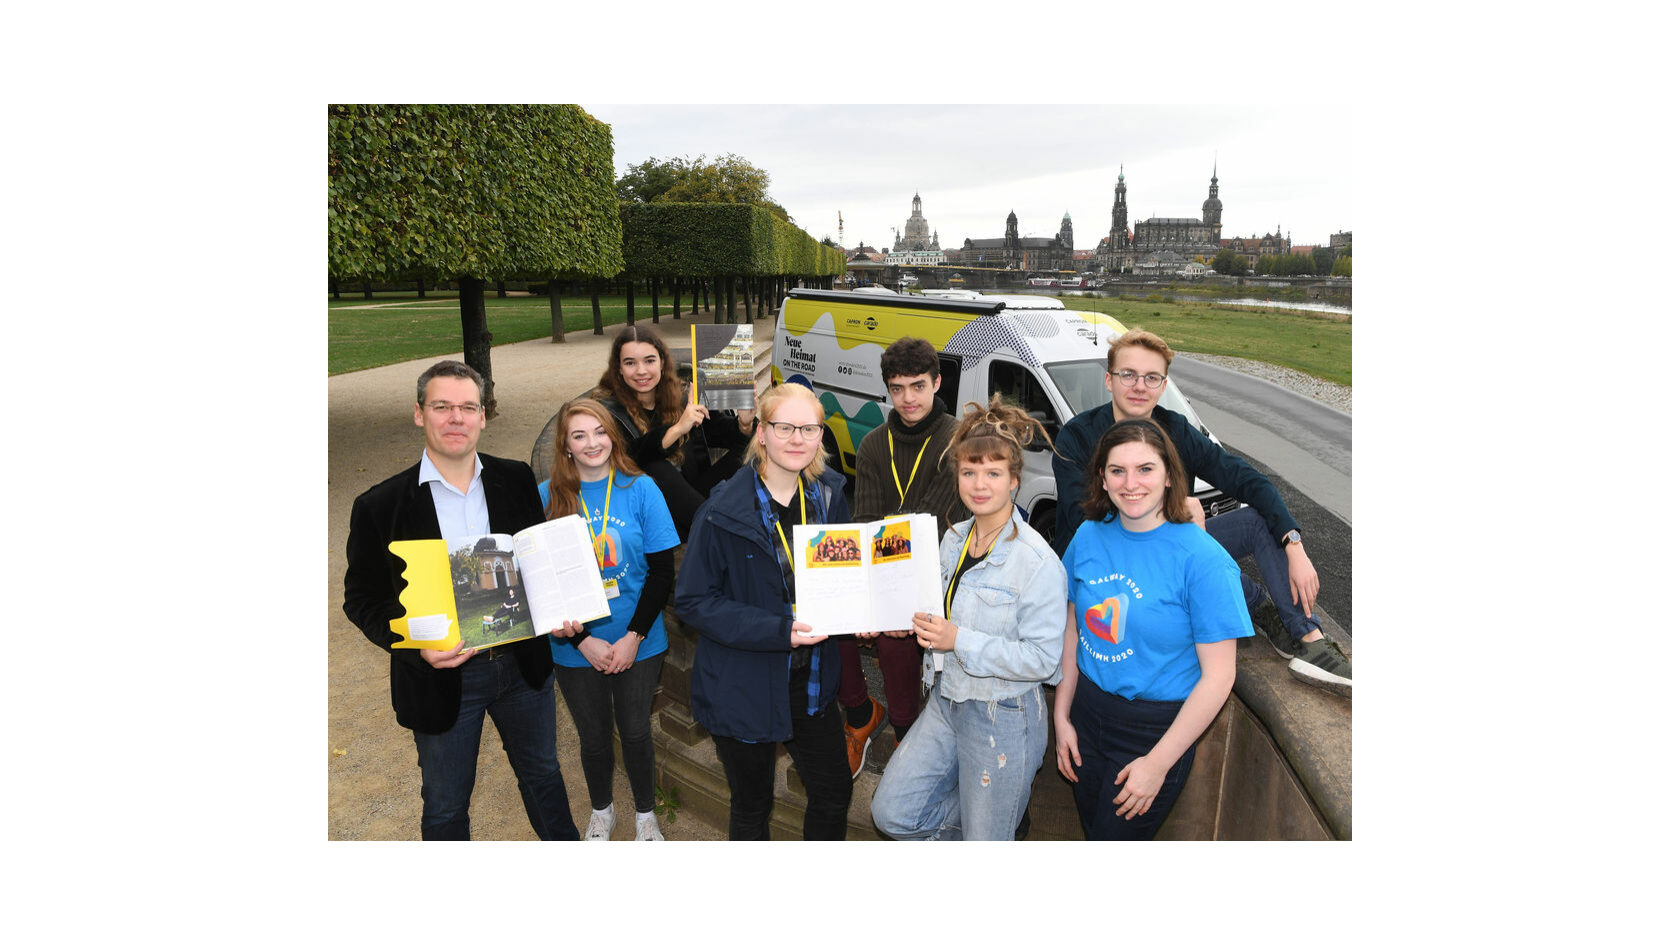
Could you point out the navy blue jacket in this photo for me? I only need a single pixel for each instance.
(1203, 459)
(730, 591)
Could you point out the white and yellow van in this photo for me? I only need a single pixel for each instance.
(1032, 350)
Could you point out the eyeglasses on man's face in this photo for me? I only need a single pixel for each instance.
(782, 431)
(441, 409)
(1128, 378)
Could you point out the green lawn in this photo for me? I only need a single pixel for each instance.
(404, 328)
(1320, 346)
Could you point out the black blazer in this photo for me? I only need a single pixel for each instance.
(398, 509)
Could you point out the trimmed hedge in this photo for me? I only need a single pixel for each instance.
(720, 239)
(489, 192)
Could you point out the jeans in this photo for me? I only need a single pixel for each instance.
(901, 671)
(818, 747)
(1243, 532)
(965, 771)
(524, 718)
(595, 700)
(1112, 732)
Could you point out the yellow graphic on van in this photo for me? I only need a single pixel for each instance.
(872, 324)
(1098, 318)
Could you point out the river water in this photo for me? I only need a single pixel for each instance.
(1258, 303)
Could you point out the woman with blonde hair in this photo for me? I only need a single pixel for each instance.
(610, 667)
(761, 678)
(965, 769)
(1149, 652)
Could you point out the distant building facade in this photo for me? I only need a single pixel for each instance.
(1253, 247)
(916, 231)
(1181, 236)
(1016, 252)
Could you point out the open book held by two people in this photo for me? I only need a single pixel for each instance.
(484, 590)
(864, 577)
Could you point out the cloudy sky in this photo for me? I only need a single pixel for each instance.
(973, 164)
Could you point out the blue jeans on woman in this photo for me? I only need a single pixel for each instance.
(596, 700)
(965, 770)
(1113, 731)
(491, 683)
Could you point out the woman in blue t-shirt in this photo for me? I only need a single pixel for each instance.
(610, 668)
(1150, 649)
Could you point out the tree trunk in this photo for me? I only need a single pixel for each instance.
(420, 284)
(501, 290)
(706, 294)
(694, 296)
(333, 284)
(761, 281)
(367, 290)
(676, 297)
(475, 337)
(595, 304)
(629, 301)
(653, 294)
(729, 296)
(556, 318)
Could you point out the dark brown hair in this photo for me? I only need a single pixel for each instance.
(1098, 507)
(667, 395)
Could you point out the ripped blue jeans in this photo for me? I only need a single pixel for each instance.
(965, 770)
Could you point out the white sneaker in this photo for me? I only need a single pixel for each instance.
(601, 824)
(647, 828)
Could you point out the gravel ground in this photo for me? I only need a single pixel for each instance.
(1334, 395)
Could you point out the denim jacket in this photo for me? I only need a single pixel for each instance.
(1011, 616)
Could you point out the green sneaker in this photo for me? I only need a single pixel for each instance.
(1268, 626)
(1321, 663)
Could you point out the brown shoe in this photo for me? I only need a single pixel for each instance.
(858, 739)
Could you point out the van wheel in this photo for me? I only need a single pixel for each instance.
(1043, 521)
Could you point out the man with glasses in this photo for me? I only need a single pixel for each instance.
(443, 695)
(1137, 374)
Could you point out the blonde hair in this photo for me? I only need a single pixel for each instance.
(767, 406)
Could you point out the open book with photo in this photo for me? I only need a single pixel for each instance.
(864, 577)
(723, 366)
(485, 590)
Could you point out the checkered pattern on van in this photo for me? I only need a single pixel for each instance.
(984, 335)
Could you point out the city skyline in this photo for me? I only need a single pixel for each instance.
(974, 164)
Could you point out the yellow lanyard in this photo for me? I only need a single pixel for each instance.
(799, 487)
(597, 541)
(892, 460)
(957, 571)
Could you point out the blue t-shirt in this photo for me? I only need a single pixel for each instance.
(1143, 600)
(639, 525)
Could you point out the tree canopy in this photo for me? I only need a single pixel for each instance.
(727, 179)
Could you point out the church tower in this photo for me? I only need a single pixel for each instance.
(915, 230)
(1118, 236)
(1012, 242)
(1211, 207)
(1066, 234)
